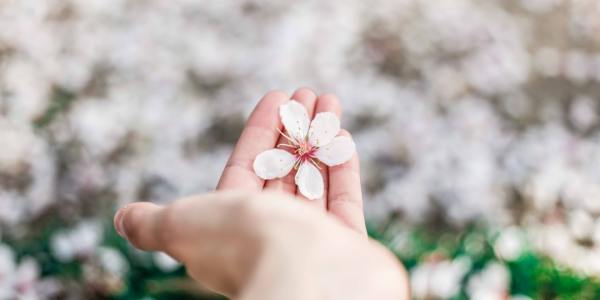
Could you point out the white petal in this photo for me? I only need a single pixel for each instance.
(295, 119)
(274, 163)
(323, 129)
(339, 151)
(309, 181)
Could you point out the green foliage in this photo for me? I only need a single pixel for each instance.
(61, 101)
(532, 274)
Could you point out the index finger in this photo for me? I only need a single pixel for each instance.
(260, 134)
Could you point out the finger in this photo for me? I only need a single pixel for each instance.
(137, 222)
(260, 134)
(194, 231)
(345, 199)
(287, 184)
(325, 102)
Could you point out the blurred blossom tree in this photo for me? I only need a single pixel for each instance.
(476, 121)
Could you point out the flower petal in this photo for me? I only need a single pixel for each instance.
(339, 151)
(323, 129)
(309, 181)
(274, 163)
(295, 119)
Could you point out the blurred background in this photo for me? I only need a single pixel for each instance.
(476, 121)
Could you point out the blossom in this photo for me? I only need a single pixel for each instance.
(17, 280)
(491, 283)
(439, 279)
(510, 243)
(79, 242)
(310, 143)
(112, 261)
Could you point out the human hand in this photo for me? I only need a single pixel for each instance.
(265, 246)
(342, 197)
(253, 245)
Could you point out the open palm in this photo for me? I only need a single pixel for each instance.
(342, 197)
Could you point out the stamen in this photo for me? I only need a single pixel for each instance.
(287, 145)
(316, 163)
(293, 141)
(297, 163)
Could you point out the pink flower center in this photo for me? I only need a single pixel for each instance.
(305, 151)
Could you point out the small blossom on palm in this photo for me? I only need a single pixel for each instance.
(310, 144)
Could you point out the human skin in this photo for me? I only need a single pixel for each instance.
(263, 240)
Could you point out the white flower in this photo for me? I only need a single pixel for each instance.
(309, 141)
(112, 261)
(440, 279)
(540, 6)
(581, 224)
(510, 244)
(582, 112)
(17, 281)
(78, 242)
(491, 283)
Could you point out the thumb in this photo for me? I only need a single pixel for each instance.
(179, 225)
(213, 235)
(138, 222)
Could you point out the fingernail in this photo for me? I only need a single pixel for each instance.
(118, 220)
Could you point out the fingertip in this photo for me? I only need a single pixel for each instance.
(354, 162)
(307, 97)
(118, 221)
(328, 95)
(267, 109)
(329, 102)
(304, 93)
(270, 100)
(345, 132)
(275, 95)
(260, 134)
(136, 223)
